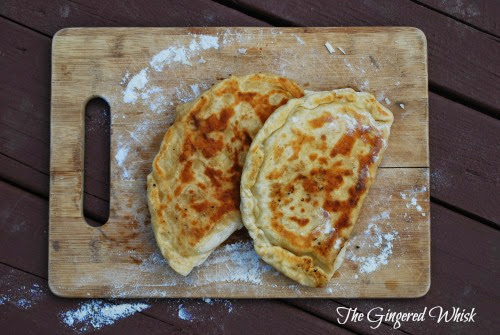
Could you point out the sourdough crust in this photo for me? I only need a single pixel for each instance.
(193, 189)
(278, 241)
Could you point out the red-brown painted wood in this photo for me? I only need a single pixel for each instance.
(481, 14)
(50, 16)
(464, 156)
(40, 311)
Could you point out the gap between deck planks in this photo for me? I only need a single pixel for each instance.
(461, 175)
(464, 277)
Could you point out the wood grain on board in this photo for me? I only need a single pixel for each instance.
(116, 259)
(463, 62)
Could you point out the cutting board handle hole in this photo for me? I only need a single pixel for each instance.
(97, 161)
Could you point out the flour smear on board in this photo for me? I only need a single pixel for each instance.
(375, 245)
(411, 199)
(137, 87)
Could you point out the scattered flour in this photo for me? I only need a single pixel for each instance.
(135, 86)
(299, 40)
(365, 85)
(402, 106)
(120, 157)
(208, 42)
(23, 297)
(358, 68)
(242, 51)
(325, 226)
(375, 245)
(246, 265)
(387, 101)
(64, 11)
(196, 89)
(412, 201)
(380, 96)
(184, 314)
(125, 78)
(96, 314)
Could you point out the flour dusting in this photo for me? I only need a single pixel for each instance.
(208, 301)
(184, 314)
(120, 157)
(135, 86)
(96, 314)
(208, 42)
(23, 297)
(374, 246)
(325, 222)
(411, 198)
(125, 78)
(299, 40)
(240, 262)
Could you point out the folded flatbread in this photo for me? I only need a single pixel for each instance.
(305, 177)
(194, 188)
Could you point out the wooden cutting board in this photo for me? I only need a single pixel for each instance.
(144, 73)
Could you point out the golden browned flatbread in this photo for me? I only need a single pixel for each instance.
(306, 175)
(193, 190)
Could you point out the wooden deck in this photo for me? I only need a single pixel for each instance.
(464, 102)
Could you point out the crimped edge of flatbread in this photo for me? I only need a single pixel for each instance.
(299, 268)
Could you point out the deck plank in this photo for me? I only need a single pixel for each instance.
(464, 158)
(481, 14)
(48, 17)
